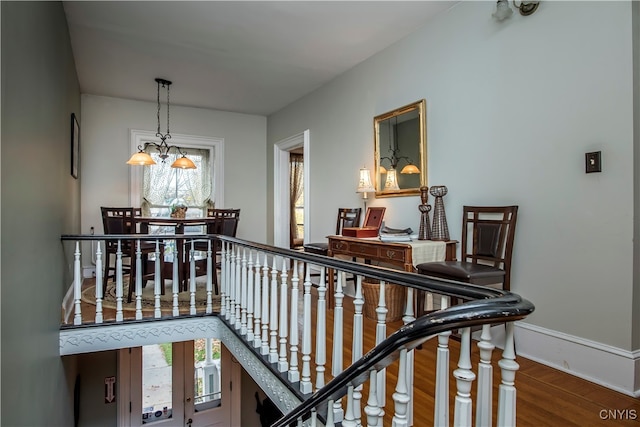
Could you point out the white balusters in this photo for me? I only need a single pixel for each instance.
(138, 282)
(441, 406)
(381, 334)
(257, 328)
(236, 284)
(77, 286)
(485, 379)
(99, 279)
(223, 280)
(273, 315)
(321, 329)
(305, 382)
(175, 284)
(243, 294)
(464, 379)
(264, 349)
(249, 296)
(356, 352)
(349, 414)
(294, 374)
(373, 410)
(408, 318)
(401, 395)
(157, 282)
(338, 338)
(232, 286)
(119, 315)
(192, 279)
(507, 390)
(282, 359)
(210, 272)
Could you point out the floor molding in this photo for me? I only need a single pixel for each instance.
(600, 363)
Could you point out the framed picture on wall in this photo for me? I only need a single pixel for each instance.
(75, 146)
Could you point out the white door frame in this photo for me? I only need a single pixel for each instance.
(281, 230)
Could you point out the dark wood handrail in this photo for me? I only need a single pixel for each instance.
(508, 308)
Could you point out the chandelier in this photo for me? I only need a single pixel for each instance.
(142, 158)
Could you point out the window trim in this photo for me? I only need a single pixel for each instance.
(214, 145)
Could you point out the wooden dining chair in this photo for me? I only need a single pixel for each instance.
(487, 245)
(347, 217)
(221, 222)
(120, 220)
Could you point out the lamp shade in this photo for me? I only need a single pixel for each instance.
(364, 184)
(141, 158)
(183, 163)
(409, 169)
(392, 180)
(503, 11)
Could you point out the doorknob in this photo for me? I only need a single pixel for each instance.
(189, 421)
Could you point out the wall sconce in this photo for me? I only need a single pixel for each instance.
(504, 11)
(365, 185)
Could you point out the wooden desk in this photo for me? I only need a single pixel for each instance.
(398, 254)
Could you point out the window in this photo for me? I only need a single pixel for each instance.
(164, 186)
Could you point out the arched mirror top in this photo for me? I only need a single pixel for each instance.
(401, 151)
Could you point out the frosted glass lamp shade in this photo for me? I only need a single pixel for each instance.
(364, 184)
(392, 180)
(409, 169)
(503, 11)
(183, 163)
(142, 159)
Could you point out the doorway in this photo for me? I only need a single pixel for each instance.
(178, 384)
(282, 213)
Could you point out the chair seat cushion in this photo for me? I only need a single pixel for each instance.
(462, 271)
(317, 248)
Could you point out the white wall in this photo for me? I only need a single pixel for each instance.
(105, 127)
(40, 202)
(511, 109)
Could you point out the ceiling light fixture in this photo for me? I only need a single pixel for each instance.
(142, 158)
(504, 11)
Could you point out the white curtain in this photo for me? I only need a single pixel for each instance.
(161, 183)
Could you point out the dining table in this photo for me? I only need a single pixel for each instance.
(145, 224)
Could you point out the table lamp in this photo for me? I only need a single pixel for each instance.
(364, 185)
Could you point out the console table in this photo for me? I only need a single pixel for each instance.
(405, 255)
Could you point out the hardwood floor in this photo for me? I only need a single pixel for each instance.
(545, 396)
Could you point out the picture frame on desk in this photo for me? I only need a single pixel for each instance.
(371, 225)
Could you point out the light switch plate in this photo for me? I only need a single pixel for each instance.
(593, 162)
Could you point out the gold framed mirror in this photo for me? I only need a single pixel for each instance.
(401, 151)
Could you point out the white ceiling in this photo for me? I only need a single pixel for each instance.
(241, 56)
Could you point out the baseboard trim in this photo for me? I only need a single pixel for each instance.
(599, 363)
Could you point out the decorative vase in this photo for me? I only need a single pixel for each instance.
(439, 230)
(425, 228)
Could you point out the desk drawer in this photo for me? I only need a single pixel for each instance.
(397, 255)
(363, 250)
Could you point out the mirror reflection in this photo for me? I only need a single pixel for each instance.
(400, 151)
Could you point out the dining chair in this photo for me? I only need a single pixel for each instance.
(220, 222)
(347, 217)
(120, 220)
(487, 245)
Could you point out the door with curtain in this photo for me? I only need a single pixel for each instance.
(296, 199)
